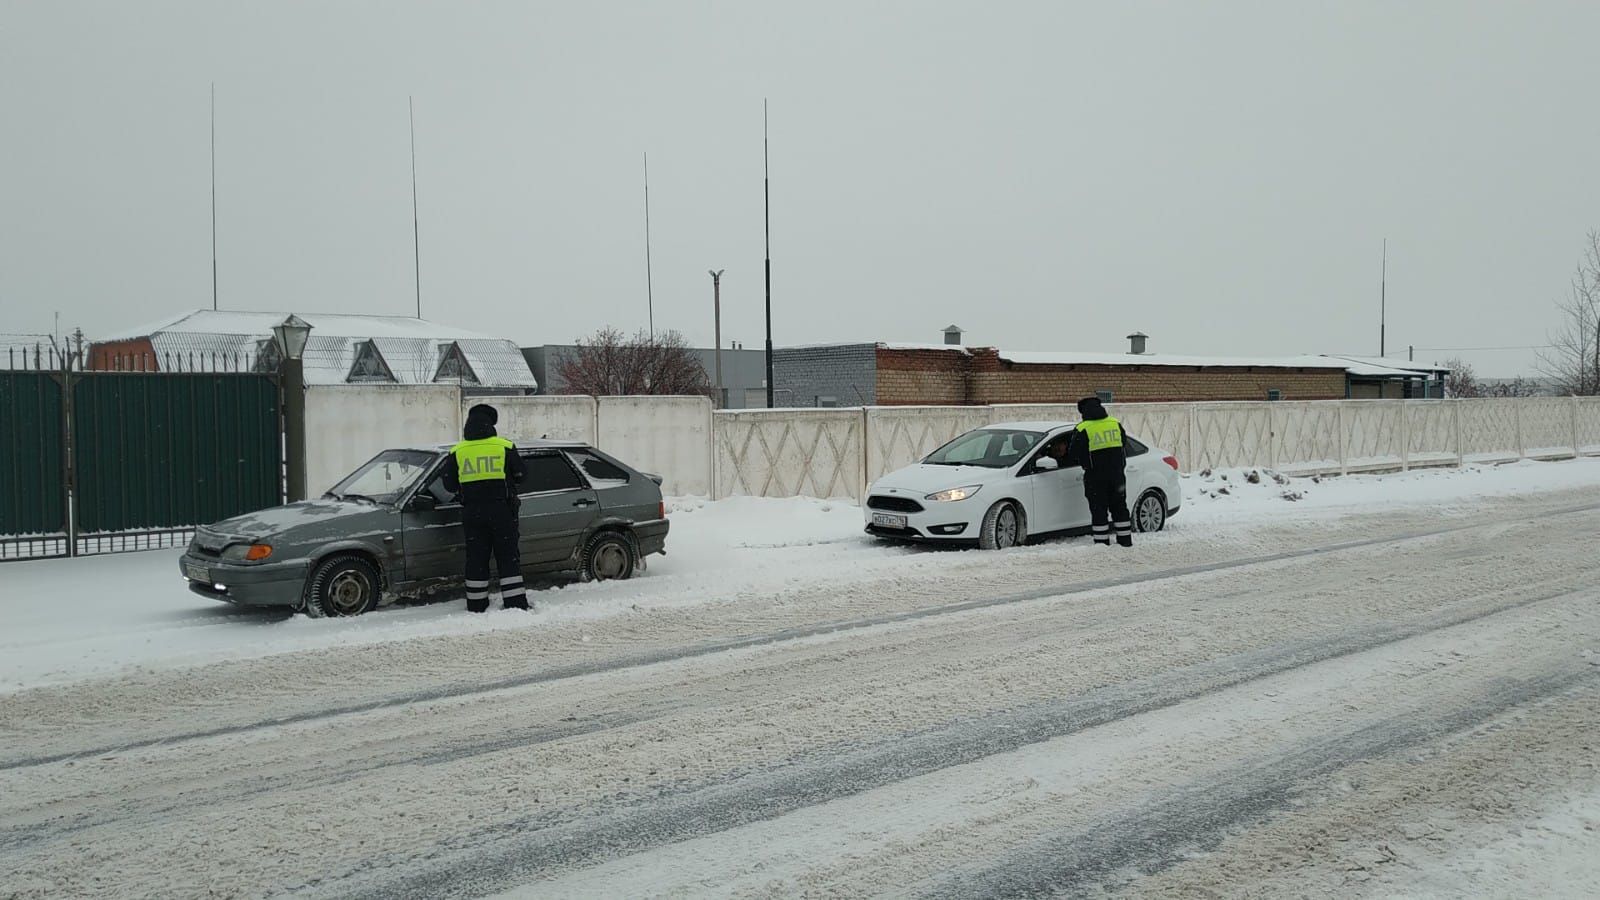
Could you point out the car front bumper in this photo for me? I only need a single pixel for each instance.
(948, 522)
(264, 584)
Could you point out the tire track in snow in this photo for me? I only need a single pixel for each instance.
(1156, 835)
(492, 859)
(640, 660)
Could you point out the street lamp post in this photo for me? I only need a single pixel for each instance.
(716, 306)
(291, 336)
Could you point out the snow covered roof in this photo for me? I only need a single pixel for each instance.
(406, 349)
(1359, 365)
(20, 349)
(1370, 368)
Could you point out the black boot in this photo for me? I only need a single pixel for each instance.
(1124, 540)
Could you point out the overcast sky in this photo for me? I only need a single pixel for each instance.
(1048, 175)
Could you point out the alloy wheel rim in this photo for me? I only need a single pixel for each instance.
(1151, 514)
(1006, 533)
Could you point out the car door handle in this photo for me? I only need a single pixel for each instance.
(583, 503)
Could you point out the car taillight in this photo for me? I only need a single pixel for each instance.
(1171, 461)
(661, 510)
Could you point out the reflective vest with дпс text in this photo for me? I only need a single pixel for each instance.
(1103, 434)
(481, 460)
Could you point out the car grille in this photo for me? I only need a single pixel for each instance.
(893, 504)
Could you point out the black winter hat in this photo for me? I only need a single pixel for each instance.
(484, 412)
(1089, 405)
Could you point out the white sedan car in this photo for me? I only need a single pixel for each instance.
(1001, 485)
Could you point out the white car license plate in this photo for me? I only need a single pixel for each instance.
(884, 520)
(197, 572)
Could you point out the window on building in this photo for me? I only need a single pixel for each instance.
(1105, 396)
(1274, 394)
(827, 402)
(369, 365)
(453, 365)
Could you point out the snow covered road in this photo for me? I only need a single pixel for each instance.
(1311, 702)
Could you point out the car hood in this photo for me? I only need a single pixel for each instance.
(925, 479)
(278, 519)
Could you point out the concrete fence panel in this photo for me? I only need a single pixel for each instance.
(668, 436)
(1546, 427)
(1305, 437)
(1430, 433)
(1489, 430)
(1232, 434)
(1586, 418)
(1372, 434)
(346, 425)
(897, 436)
(790, 452)
(524, 419)
(1161, 425)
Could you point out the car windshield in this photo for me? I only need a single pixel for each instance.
(385, 477)
(993, 448)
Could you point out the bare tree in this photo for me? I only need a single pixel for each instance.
(1572, 361)
(1461, 381)
(609, 364)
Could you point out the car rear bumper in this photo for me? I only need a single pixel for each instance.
(269, 584)
(652, 536)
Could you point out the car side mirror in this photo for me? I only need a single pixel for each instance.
(1046, 464)
(424, 501)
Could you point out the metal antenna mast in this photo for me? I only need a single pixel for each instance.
(649, 279)
(213, 195)
(416, 237)
(1383, 302)
(766, 196)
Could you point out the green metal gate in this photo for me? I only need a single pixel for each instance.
(157, 452)
(33, 505)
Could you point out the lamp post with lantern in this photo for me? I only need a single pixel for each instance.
(291, 336)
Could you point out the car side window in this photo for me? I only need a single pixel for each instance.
(549, 472)
(1057, 448)
(1131, 447)
(601, 472)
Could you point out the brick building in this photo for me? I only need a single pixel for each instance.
(907, 375)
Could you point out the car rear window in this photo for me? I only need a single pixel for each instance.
(601, 472)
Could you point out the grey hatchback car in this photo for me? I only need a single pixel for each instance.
(390, 529)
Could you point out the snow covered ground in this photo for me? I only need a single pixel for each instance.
(1388, 686)
(62, 620)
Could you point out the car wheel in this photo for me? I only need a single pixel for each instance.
(1150, 512)
(342, 586)
(609, 556)
(1003, 526)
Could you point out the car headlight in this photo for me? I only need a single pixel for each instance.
(960, 493)
(247, 552)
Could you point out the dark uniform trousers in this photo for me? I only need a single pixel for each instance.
(1107, 493)
(491, 530)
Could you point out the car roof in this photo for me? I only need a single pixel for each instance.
(540, 444)
(1029, 426)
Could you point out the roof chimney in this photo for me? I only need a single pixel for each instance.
(952, 335)
(1136, 343)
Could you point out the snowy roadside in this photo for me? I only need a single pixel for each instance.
(65, 620)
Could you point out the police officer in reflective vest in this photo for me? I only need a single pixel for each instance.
(1098, 448)
(486, 470)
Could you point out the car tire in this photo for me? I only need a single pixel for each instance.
(609, 556)
(1003, 526)
(1150, 512)
(342, 586)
